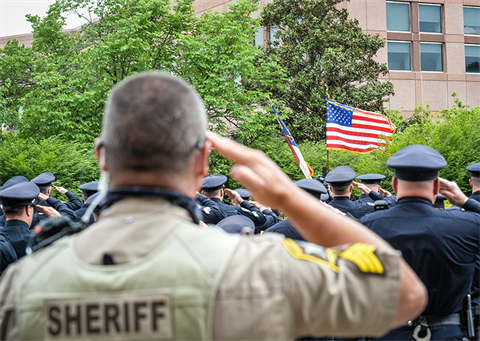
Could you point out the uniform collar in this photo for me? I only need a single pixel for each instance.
(414, 199)
(15, 224)
(173, 197)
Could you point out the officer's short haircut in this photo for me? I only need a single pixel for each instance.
(152, 122)
(44, 188)
(13, 211)
(212, 194)
(341, 190)
(476, 181)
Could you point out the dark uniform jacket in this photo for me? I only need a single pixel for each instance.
(440, 246)
(7, 253)
(75, 202)
(356, 209)
(18, 234)
(210, 212)
(476, 196)
(286, 228)
(248, 210)
(80, 212)
(59, 206)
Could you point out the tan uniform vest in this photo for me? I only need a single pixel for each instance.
(169, 294)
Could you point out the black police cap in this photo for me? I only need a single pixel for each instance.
(21, 194)
(417, 163)
(314, 187)
(371, 178)
(89, 188)
(237, 224)
(13, 181)
(213, 182)
(340, 176)
(44, 179)
(474, 170)
(244, 193)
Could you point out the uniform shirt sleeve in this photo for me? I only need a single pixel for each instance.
(472, 205)
(341, 296)
(75, 202)
(61, 208)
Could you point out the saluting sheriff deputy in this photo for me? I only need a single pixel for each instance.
(146, 270)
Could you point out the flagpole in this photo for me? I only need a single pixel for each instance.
(328, 166)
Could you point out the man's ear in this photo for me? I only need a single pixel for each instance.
(29, 211)
(470, 182)
(395, 184)
(351, 188)
(436, 187)
(100, 153)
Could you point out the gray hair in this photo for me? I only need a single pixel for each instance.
(152, 122)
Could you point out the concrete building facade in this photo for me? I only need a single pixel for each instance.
(432, 50)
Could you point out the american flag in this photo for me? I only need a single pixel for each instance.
(355, 130)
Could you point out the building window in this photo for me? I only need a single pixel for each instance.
(431, 58)
(398, 17)
(271, 34)
(471, 20)
(472, 58)
(430, 18)
(259, 37)
(399, 56)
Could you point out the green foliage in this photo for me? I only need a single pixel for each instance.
(319, 46)
(58, 87)
(72, 163)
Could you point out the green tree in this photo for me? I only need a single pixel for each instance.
(66, 76)
(319, 46)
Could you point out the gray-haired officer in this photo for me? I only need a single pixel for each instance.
(440, 246)
(17, 202)
(340, 180)
(474, 180)
(166, 278)
(285, 227)
(213, 187)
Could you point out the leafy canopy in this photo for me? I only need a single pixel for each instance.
(58, 87)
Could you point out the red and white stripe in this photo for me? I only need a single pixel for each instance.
(363, 136)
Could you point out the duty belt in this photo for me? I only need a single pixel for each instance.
(423, 324)
(437, 321)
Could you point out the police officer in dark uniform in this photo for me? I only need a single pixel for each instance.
(88, 189)
(44, 183)
(475, 180)
(17, 202)
(213, 188)
(340, 180)
(244, 193)
(210, 212)
(372, 181)
(440, 246)
(7, 253)
(285, 227)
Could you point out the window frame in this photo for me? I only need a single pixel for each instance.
(470, 73)
(469, 34)
(441, 15)
(411, 53)
(442, 54)
(409, 15)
